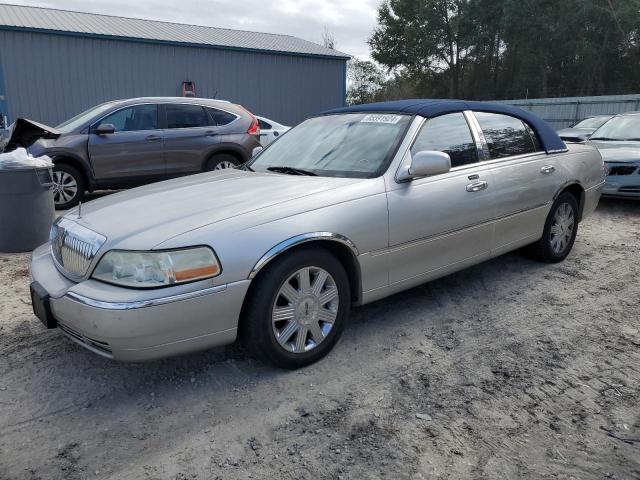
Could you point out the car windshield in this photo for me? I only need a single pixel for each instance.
(624, 127)
(82, 118)
(347, 145)
(594, 122)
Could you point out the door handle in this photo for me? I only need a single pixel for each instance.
(153, 138)
(210, 133)
(547, 169)
(477, 186)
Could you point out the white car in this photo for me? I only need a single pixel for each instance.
(270, 130)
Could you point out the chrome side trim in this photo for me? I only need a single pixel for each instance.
(297, 240)
(143, 303)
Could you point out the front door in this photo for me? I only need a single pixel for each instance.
(441, 222)
(134, 152)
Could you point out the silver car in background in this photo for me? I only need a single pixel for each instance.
(348, 207)
(619, 144)
(582, 130)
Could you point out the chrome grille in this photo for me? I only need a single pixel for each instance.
(73, 247)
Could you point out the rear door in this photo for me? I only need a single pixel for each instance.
(525, 179)
(133, 153)
(189, 135)
(441, 221)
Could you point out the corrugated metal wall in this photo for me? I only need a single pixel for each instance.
(50, 78)
(564, 112)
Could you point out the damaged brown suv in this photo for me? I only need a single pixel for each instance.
(142, 140)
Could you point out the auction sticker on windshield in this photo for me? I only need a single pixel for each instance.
(381, 118)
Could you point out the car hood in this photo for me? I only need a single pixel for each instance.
(580, 134)
(622, 152)
(144, 217)
(24, 133)
(620, 155)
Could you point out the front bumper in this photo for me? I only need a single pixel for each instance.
(140, 325)
(623, 180)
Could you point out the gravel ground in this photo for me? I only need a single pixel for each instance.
(510, 369)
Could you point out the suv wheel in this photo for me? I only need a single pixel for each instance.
(221, 161)
(68, 186)
(297, 309)
(560, 231)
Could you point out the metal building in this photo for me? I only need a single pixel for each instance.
(55, 64)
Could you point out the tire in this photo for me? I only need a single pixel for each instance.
(305, 327)
(221, 161)
(69, 186)
(560, 230)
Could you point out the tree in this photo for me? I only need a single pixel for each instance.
(489, 49)
(365, 80)
(424, 36)
(328, 40)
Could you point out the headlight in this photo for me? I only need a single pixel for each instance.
(156, 269)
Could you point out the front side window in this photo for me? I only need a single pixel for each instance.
(186, 116)
(506, 136)
(358, 145)
(131, 119)
(449, 134)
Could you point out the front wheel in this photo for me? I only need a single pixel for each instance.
(297, 309)
(68, 186)
(560, 230)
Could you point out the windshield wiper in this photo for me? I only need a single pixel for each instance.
(292, 171)
(606, 139)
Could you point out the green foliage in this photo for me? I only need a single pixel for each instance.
(510, 48)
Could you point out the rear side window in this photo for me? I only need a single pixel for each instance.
(506, 136)
(449, 134)
(131, 119)
(186, 116)
(220, 117)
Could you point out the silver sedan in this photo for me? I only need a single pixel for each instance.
(349, 207)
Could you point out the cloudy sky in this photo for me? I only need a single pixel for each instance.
(350, 21)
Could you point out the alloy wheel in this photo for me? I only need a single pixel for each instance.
(223, 165)
(305, 309)
(562, 228)
(65, 187)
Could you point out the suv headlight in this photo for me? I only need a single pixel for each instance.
(157, 268)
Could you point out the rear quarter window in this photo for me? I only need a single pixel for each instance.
(507, 136)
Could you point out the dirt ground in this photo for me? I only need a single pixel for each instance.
(511, 369)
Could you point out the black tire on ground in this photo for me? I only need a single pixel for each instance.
(221, 161)
(543, 249)
(64, 196)
(256, 331)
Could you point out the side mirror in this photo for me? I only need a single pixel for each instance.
(426, 163)
(256, 151)
(104, 129)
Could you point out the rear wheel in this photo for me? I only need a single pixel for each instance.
(68, 186)
(221, 161)
(560, 230)
(297, 309)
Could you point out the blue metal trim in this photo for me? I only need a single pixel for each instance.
(4, 102)
(170, 42)
(344, 86)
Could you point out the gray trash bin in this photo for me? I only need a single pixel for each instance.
(26, 207)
